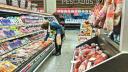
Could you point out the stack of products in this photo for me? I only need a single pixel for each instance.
(14, 26)
(86, 32)
(88, 56)
(25, 4)
(13, 44)
(6, 67)
(17, 57)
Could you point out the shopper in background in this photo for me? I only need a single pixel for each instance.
(61, 21)
(58, 36)
(117, 20)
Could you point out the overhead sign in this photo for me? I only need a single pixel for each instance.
(77, 3)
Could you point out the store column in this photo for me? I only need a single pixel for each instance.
(50, 6)
(124, 28)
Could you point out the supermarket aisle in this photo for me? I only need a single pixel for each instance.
(62, 63)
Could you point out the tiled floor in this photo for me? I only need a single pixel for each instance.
(62, 63)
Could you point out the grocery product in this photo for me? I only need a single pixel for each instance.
(1, 50)
(22, 3)
(118, 11)
(2, 35)
(18, 56)
(7, 67)
(87, 56)
(15, 3)
(3, 1)
(109, 22)
(86, 31)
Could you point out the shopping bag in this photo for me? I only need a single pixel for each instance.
(58, 39)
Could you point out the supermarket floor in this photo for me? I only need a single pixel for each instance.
(62, 63)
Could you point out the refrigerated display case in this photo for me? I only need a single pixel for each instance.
(22, 45)
(117, 61)
(117, 53)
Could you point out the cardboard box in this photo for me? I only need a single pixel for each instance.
(22, 3)
(15, 3)
(7, 2)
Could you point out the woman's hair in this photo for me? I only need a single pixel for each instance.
(45, 25)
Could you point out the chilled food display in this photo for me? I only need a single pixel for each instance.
(108, 17)
(21, 38)
(22, 54)
(88, 56)
(86, 32)
(6, 67)
(13, 44)
(18, 26)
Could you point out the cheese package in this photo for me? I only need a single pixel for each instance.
(7, 67)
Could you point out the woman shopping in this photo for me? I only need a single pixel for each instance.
(58, 35)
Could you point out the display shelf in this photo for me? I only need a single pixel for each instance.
(72, 26)
(104, 45)
(7, 53)
(19, 36)
(116, 63)
(118, 54)
(30, 64)
(21, 25)
(42, 61)
(110, 41)
(13, 9)
(36, 57)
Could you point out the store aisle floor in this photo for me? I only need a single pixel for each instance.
(62, 63)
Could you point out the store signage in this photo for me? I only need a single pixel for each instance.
(77, 3)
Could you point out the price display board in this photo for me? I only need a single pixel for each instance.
(77, 3)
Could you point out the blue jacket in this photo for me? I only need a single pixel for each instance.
(55, 26)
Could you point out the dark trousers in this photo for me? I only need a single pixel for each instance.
(58, 47)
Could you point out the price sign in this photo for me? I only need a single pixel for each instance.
(77, 3)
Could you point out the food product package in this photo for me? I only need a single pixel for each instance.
(7, 67)
(15, 3)
(1, 50)
(3, 1)
(2, 35)
(109, 22)
(118, 11)
(58, 39)
(87, 56)
(102, 15)
(83, 66)
(29, 4)
(22, 3)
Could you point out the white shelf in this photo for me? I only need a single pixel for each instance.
(13, 9)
